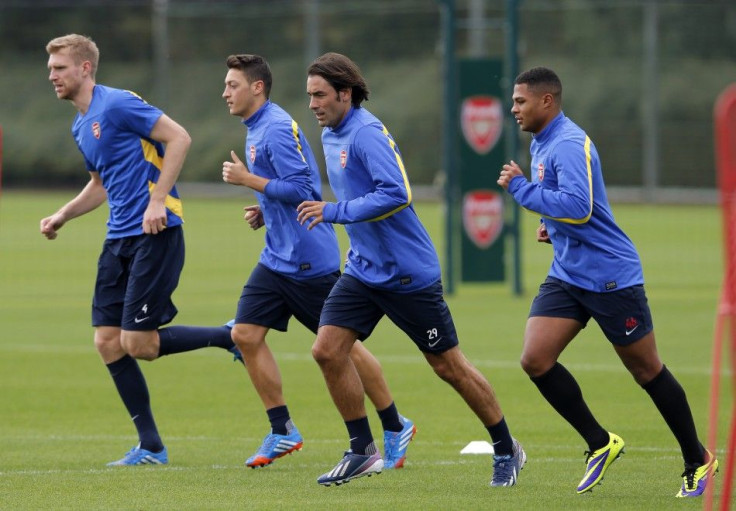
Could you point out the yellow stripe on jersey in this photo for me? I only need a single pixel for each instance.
(590, 189)
(150, 154)
(136, 95)
(295, 132)
(400, 163)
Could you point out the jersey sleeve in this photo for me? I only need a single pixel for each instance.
(572, 200)
(88, 164)
(293, 183)
(389, 189)
(132, 113)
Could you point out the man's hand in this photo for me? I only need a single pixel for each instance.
(51, 224)
(234, 172)
(542, 234)
(254, 217)
(311, 210)
(154, 218)
(508, 172)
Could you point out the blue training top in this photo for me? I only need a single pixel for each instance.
(389, 247)
(276, 149)
(590, 249)
(113, 137)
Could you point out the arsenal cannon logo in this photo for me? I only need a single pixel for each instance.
(483, 216)
(481, 119)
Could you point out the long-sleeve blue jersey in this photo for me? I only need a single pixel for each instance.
(590, 250)
(276, 149)
(389, 247)
(114, 138)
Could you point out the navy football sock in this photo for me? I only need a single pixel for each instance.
(561, 390)
(178, 339)
(390, 418)
(360, 435)
(671, 401)
(278, 416)
(502, 443)
(133, 391)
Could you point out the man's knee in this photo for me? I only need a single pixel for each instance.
(536, 362)
(333, 343)
(531, 364)
(450, 365)
(140, 345)
(246, 338)
(107, 343)
(321, 352)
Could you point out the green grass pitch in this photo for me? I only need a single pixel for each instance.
(61, 419)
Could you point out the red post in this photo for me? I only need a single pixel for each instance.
(725, 144)
(1, 159)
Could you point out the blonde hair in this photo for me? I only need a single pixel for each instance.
(80, 47)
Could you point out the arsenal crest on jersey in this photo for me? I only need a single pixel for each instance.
(540, 172)
(483, 216)
(343, 158)
(96, 131)
(481, 119)
(252, 154)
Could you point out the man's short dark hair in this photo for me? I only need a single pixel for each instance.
(541, 79)
(254, 67)
(341, 73)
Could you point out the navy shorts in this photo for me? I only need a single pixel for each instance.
(623, 315)
(423, 315)
(270, 299)
(136, 277)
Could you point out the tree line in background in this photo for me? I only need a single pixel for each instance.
(597, 47)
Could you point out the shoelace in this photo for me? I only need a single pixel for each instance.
(499, 461)
(689, 475)
(267, 446)
(503, 470)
